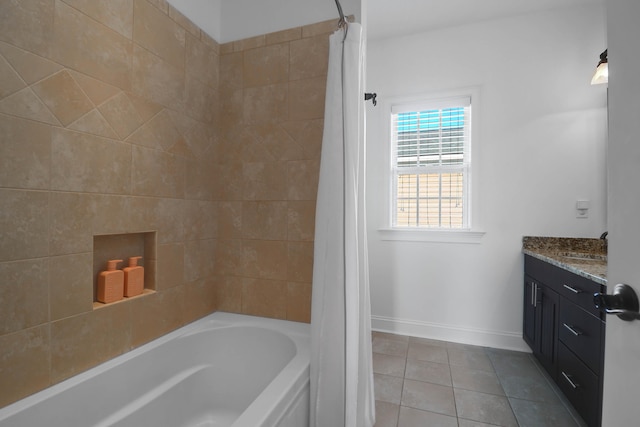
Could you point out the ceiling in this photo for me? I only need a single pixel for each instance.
(392, 18)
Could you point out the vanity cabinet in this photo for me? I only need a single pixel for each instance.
(566, 333)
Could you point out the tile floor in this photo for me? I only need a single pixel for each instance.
(427, 383)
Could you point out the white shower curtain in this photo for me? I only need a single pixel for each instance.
(341, 366)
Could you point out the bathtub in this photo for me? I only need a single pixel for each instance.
(225, 369)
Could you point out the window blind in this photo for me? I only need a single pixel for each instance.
(431, 162)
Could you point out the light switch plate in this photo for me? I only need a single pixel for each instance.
(582, 208)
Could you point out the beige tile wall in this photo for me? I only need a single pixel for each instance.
(108, 124)
(122, 116)
(272, 95)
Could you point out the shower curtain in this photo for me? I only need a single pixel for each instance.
(341, 366)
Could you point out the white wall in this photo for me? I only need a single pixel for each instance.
(246, 18)
(206, 14)
(541, 147)
(230, 20)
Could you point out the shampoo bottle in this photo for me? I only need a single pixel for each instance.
(133, 278)
(111, 283)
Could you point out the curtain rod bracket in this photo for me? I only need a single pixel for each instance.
(372, 97)
(343, 20)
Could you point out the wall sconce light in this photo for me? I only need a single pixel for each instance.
(602, 70)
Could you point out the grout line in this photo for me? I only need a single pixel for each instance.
(502, 386)
(561, 398)
(453, 390)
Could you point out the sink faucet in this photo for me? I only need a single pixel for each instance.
(605, 242)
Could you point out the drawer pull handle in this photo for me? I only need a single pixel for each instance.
(574, 290)
(572, 330)
(571, 383)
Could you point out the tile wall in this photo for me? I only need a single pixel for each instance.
(272, 107)
(121, 117)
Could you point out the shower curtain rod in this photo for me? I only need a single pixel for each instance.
(343, 20)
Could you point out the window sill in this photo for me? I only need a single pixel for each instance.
(436, 236)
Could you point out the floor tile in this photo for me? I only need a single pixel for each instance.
(388, 365)
(461, 346)
(410, 417)
(476, 380)
(507, 362)
(390, 336)
(562, 399)
(520, 376)
(386, 414)
(390, 347)
(437, 373)
(541, 414)
(421, 382)
(428, 341)
(486, 408)
(470, 358)
(428, 397)
(470, 423)
(529, 386)
(427, 353)
(387, 388)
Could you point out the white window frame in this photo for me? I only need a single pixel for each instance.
(470, 234)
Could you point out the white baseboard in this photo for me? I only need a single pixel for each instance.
(495, 339)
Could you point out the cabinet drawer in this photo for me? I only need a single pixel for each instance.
(575, 288)
(580, 385)
(581, 333)
(579, 290)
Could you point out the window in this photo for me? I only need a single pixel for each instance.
(431, 164)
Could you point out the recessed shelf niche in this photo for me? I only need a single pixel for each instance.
(123, 246)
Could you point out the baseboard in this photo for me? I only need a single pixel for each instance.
(495, 339)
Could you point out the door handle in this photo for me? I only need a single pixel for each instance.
(533, 285)
(623, 302)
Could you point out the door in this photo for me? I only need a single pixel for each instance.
(621, 402)
(547, 312)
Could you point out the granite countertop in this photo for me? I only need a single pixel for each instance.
(584, 257)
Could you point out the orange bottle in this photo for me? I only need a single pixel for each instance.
(133, 278)
(111, 283)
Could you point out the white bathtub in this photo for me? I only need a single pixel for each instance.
(225, 370)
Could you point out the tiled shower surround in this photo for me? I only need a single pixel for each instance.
(121, 116)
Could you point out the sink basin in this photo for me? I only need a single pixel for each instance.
(581, 256)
